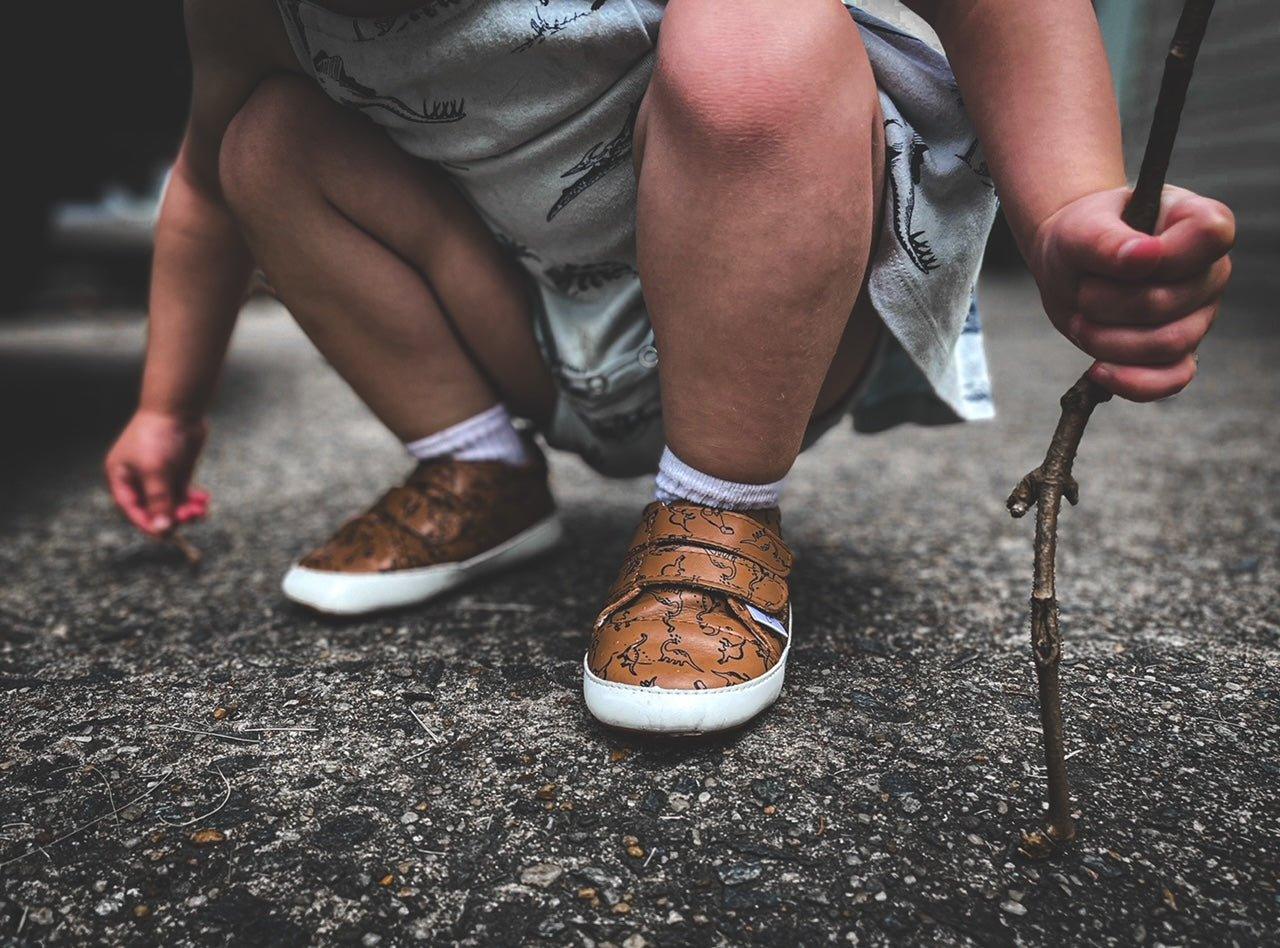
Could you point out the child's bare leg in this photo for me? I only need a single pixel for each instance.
(387, 269)
(760, 170)
(759, 182)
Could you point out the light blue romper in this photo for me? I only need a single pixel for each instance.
(529, 105)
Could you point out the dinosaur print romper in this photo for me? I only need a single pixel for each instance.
(530, 104)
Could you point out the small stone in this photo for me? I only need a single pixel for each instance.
(770, 810)
(704, 796)
(370, 939)
(220, 713)
(630, 841)
(207, 837)
(387, 880)
(740, 873)
(409, 817)
(635, 852)
(541, 874)
(588, 894)
(622, 908)
(976, 839)
(1013, 908)
(141, 912)
(911, 804)
(619, 755)
(635, 941)
(547, 791)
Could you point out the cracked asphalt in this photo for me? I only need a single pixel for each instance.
(186, 759)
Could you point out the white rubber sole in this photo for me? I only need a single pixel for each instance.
(351, 594)
(679, 711)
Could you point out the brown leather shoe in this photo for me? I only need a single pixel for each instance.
(696, 630)
(450, 522)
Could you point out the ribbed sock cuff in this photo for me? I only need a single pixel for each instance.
(488, 436)
(678, 481)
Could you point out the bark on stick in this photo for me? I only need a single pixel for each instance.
(1052, 480)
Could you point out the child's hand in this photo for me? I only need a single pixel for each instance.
(1140, 305)
(149, 471)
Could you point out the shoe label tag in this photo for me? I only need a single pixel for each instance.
(765, 619)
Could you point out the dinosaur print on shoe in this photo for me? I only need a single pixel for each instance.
(696, 630)
(449, 523)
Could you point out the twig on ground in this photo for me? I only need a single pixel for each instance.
(245, 729)
(423, 724)
(190, 552)
(220, 734)
(204, 816)
(1051, 481)
(84, 826)
(111, 797)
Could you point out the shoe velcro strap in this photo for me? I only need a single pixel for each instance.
(725, 530)
(698, 567)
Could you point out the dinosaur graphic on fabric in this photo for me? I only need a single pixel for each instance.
(600, 159)
(399, 22)
(906, 159)
(977, 164)
(541, 28)
(360, 96)
(574, 278)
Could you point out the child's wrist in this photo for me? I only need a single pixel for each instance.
(175, 411)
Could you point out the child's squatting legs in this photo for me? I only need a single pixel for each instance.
(760, 168)
(408, 296)
(384, 265)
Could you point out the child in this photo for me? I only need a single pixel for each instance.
(461, 202)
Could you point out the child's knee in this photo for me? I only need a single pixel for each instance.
(261, 149)
(723, 78)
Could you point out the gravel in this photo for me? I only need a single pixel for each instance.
(880, 802)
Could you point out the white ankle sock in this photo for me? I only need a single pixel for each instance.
(488, 436)
(678, 481)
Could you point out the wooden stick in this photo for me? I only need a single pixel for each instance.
(190, 552)
(1051, 481)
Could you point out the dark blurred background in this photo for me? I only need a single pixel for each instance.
(99, 93)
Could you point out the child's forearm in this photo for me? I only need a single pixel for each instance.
(1036, 82)
(199, 276)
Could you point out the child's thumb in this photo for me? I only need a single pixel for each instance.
(1107, 246)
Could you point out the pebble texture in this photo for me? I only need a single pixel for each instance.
(435, 778)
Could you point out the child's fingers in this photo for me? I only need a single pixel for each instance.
(1100, 300)
(195, 507)
(1195, 232)
(1141, 383)
(1144, 345)
(1093, 239)
(159, 501)
(190, 511)
(128, 497)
